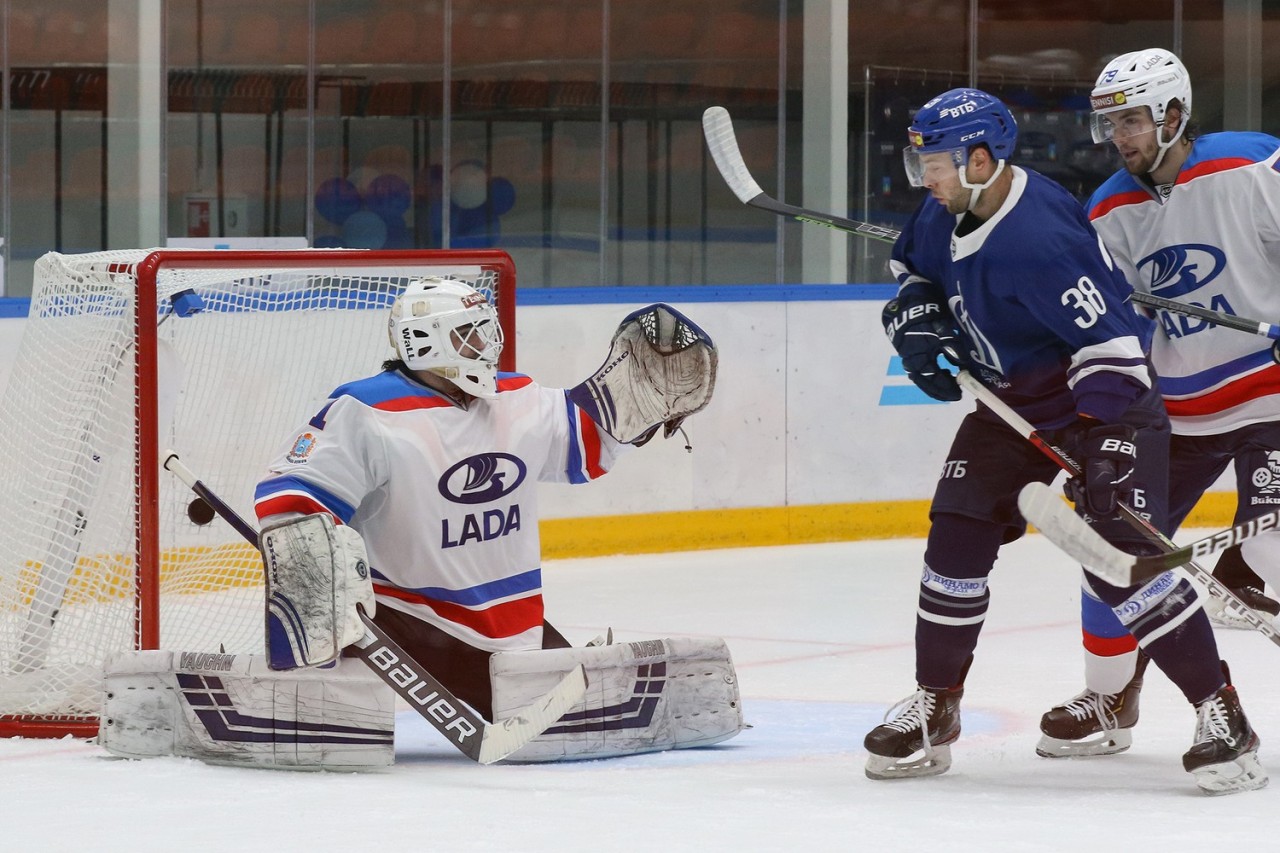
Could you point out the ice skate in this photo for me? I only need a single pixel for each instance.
(1224, 757)
(1093, 723)
(916, 737)
(1227, 615)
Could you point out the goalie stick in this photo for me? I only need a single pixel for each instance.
(424, 693)
(717, 126)
(1125, 570)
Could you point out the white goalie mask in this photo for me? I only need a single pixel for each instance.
(1151, 78)
(446, 327)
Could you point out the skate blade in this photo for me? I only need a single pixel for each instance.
(1106, 743)
(934, 761)
(1225, 616)
(1232, 777)
(1228, 620)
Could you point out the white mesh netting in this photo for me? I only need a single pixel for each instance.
(262, 354)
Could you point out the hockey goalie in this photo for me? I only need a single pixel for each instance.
(411, 495)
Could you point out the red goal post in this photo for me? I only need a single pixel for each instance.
(215, 354)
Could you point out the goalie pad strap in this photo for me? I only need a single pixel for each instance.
(233, 709)
(646, 696)
(317, 574)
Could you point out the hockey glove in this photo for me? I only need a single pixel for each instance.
(921, 329)
(1106, 454)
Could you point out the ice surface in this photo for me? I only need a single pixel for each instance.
(822, 638)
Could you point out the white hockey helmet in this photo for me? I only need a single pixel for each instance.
(1151, 78)
(445, 326)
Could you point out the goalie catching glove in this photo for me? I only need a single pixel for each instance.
(661, 368)
(317, 575)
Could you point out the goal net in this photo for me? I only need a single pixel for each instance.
(124, 355)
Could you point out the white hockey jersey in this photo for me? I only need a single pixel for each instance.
(1214, 242)
(445, 499)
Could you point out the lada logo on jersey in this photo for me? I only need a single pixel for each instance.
(1177, 270)
(482, 479)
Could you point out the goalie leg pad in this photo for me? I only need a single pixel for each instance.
(233, 709)
(646, 696)
(317, 574)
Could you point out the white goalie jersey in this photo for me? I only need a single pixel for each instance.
(452, 537)
(1214, 241)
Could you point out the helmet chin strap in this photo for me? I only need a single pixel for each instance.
(1165, 146)
(978, 188)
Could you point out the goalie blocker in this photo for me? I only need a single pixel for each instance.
(317, 575)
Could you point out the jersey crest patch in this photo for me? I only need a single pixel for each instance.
(302, 447)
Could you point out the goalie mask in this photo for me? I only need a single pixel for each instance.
(450, 329)
(1152, 78)
(953, 123)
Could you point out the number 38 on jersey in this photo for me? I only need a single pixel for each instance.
(1086, 301)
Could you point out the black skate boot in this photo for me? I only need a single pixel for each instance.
(1224, 757)
(925, 723)
(1226, 614)
(1093, 723)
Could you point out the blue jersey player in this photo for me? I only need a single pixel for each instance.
(1001, 273)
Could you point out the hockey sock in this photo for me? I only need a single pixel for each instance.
(1165, 616)
(953, 596)
(1110, 651)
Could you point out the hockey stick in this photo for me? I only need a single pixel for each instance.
(426, 695)
(1125, 570)
(1231, 321)
(717, 126)
(1044, 508)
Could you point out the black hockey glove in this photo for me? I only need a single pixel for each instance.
(921, 329)
(1106, 454)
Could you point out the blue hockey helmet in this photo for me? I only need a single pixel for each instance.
(955, 121)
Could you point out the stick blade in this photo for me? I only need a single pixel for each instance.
(717, 126)
(1042, 506)
(502, 739)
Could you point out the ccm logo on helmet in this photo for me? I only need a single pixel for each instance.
(959, 110)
